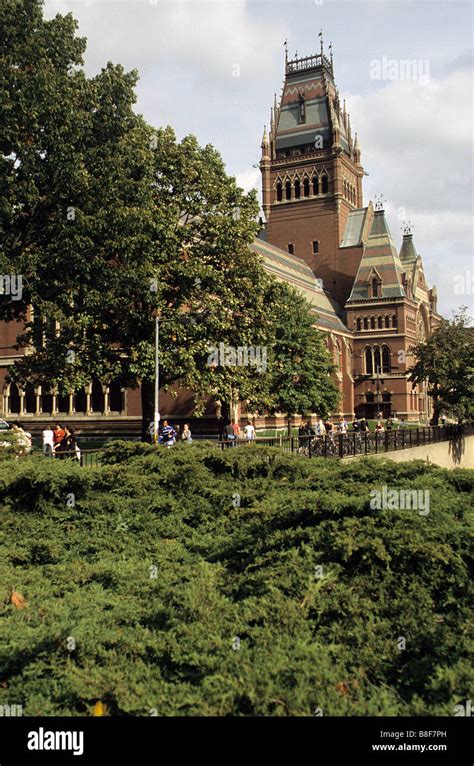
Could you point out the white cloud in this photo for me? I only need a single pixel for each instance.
(416, 143)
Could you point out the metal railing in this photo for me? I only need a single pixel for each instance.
(358, 443)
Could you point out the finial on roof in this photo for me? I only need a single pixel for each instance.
(322, 44)
(286, 50)
(330, 55)
(407, 228)
(379, 201)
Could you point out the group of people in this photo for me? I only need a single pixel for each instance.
(168, 436)
(60, 442)
(231, 432)
(331, 428)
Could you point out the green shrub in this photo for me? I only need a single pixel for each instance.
(240, 619)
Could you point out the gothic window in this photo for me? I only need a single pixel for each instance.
(46, 403)
(380, 322)
(372, 323)
(62, 403)
(324, 183)
(385, 359)
(80, 401)
(297, 189)
(30, 399)
(315, 246)
(375, 288)
(366, 323)
(288, 190)
(377, 365)
(358, 324)
(291, 249)
(369, 397)
(315, 185)
(279, 191)
(14, 399)
(306, 186)
(97, 399)
(387, 322)
(116, 397)
(369, 363)
(394, 321)
(302, 109)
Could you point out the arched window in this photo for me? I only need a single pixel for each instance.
(379, 322)
(14, 399)
(62, 403)
(375, 288)
(279, 191)
(324, 184)
(46, 403)
(297, 189)
(116, 397)
(97, 399)
(315, 185)
(369, 364)
(80, 401)
(358, 324)
(394, 321)
(306, 186)
(30, 399)
(369, 397)
(372, 323)
(377, 365)
(387, 322)
(385, 359)
(288, 190)
(366, 323)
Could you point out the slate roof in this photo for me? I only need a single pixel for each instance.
(354, 227)
(380, 257)
(291, 269)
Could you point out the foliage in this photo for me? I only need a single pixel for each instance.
(110, 221)
(185, 582)
(445, 361)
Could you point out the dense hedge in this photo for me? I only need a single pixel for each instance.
(238, 619)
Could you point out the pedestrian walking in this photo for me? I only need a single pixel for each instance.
(249, 431)
(48, 441)
(167, 435)
(186, 435)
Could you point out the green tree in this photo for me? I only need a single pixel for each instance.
(445, 361)
(301, 372)
(109, 221)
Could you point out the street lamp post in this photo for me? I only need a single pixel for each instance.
(179, 320)
(156, 418)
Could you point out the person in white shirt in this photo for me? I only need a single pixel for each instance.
(343, 426)
(249, 431)
(48, 441)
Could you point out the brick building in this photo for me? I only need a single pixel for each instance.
(370, 300)
(313, 205)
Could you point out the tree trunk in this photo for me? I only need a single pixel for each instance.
(147, 392)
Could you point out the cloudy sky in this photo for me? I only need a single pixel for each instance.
(211, 68)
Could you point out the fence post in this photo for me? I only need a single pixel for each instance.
(341, 445)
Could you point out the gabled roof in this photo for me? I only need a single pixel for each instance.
(379, 254)
(293, 270)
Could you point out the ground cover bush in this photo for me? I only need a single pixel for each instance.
(245, 582)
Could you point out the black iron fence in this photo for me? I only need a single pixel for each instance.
(356, 442)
